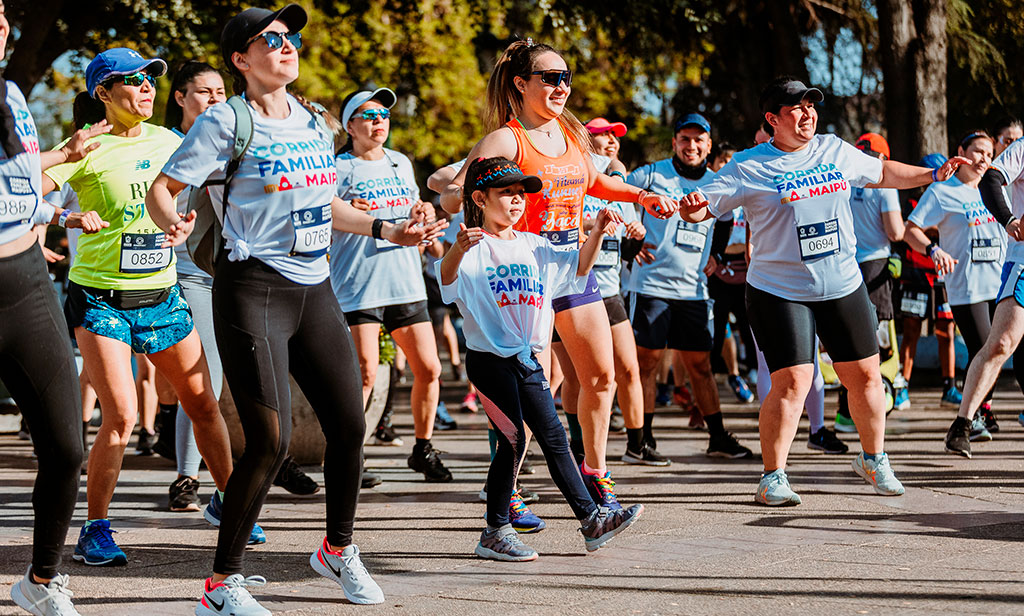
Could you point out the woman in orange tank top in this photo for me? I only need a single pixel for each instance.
(526, 98)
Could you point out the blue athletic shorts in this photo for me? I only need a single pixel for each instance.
(1012, 282)
(591, 295)
(149, 329)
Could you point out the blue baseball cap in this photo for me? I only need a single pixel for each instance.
(117, 62)
(933, 160)
(693, 119)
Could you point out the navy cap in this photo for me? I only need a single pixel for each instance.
(251, 22)
(497, 172)
(784, 93)
(693, 119)
(117, 62)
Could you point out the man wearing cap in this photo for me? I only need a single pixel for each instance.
(671, 306)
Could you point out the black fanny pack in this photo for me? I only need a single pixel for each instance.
(127, 300)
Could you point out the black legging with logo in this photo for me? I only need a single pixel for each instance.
(267, 327)
(38, 367)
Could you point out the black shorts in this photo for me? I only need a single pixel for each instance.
(392, 317)
(879, 284)
(785, 329)
(682, 325)
(436, 307)
(616, 310)
(923, 301)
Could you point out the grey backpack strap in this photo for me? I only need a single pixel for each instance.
(321, 117)
(243, 137)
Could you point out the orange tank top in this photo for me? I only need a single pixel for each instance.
(555, 211)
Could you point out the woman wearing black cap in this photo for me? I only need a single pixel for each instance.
(803, 275)
(274, 310)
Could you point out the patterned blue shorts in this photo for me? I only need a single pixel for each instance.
(148, 329)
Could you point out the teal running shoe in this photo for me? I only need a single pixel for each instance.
(979, 431)
(879, 474)
(901, 401)
(96, 546)
(1020, 418)
(521, 518)
(952, 397)
(774, 490)
(213, 511)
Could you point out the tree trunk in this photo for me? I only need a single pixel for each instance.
(47, 29)
(912, 38)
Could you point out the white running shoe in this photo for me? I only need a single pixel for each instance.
(53, 599)
(348, 571)
(230, 597)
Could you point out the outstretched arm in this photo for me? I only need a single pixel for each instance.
(903, 176)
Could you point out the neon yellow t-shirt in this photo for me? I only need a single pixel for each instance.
(112, 180)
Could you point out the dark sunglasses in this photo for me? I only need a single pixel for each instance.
(373, 114)
(131, 80)
(553, 78)
(275, 40)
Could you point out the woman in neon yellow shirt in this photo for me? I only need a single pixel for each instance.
(123, 295)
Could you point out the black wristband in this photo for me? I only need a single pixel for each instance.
(376, 228)
(931, 248)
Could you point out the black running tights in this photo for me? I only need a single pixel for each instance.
(267, 327)
(38, 368)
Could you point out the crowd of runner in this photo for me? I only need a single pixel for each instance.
(238, 243)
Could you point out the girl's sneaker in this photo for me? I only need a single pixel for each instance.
(53, 599)
(605, 523)
(774, 490)
(504, 544)
(231, 598)
(601, 488)
(346, 568)
(521, 518)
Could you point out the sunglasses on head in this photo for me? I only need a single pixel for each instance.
(553, 78)
(132, 80)
(373, 114)
(275, 40)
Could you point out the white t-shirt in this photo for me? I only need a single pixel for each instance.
(867, 206)
(738, 233)
(366, 272)
(970, 234)
(683, 247)
(797, 205)
(448, 236)
(504, 290)
(279, 205)
(609, 262)
(21, 182)
(1011, 164)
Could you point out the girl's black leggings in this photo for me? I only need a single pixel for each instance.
(267, 327)
(38, 368)
(514, 393)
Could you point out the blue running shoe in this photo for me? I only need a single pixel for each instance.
(96, 546)
(952, 397)
(442, 420)
(740, 389)
(774, 490)
(212, 514)
(602, 489)
(522, 519)
(901, 400)
(1020, 418)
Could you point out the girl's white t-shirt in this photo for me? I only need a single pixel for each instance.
(504, 290)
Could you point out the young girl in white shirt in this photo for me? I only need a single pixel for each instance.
(503, 281)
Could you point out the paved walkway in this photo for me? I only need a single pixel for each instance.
(953, 543)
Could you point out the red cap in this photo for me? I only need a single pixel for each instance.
(600, 125)
(875, 143)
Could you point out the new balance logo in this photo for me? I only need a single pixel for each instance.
(141, 164)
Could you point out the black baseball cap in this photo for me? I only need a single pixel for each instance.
(782, 92)
(498, 172)
(251, 22)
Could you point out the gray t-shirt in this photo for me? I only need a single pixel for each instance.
(21, 203)
(609, 262)
(797, 206)
(683, 248)
(970, 234)
(279, 206)
(868, 205)
(1011, 164)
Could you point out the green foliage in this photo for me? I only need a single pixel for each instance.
(387, 348)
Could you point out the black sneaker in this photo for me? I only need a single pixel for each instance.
(990, 418)
(387, 437)
(164, 446)
(605, 523)
(183, 495)
(958, 438)
(144, 447)
(291, 478)
(369, 480)
(725, 445)
(647, 455)
(827, 441)
(426, 460)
